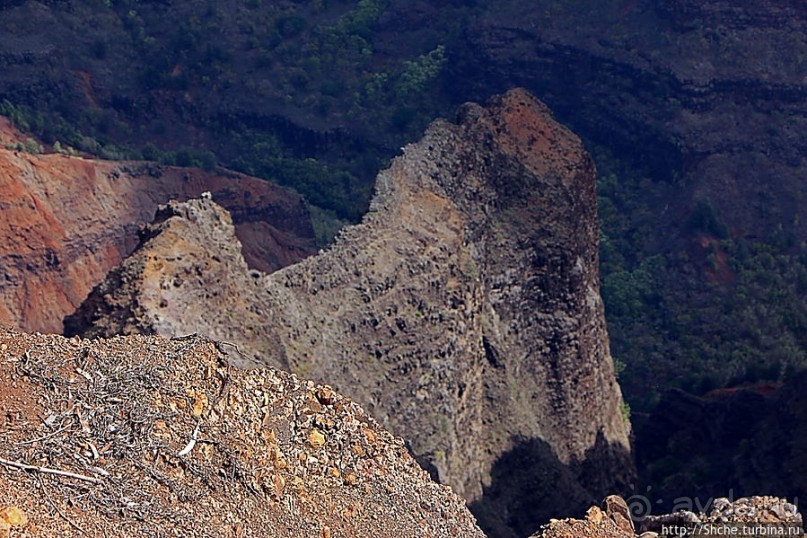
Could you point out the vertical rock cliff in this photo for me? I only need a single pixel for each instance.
(463, 312)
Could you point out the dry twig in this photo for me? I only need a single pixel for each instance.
(48, 436)
(47, 470)
(53, 505)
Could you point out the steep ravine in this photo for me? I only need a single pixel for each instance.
(463, 312)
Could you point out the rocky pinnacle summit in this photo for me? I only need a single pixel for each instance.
(463, 312)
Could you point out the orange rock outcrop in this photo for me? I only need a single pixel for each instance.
(66, 221)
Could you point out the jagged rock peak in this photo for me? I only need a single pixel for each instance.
(463, 312)
(148, 294)
(143, 436)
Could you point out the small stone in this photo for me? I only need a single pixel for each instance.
(3, 347)
(279, 484)
(13, 516)
(199, 404)
(720, 504)
(325, 396)
(649, 535)
(371, 436)
(595, 515)
(326, 532)
(316, 439)
(780, 511)
(617, 509)
(688, 517)
(791, 508)
(351, 479)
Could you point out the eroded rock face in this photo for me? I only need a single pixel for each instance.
(187, 276)
(165, 438)
(68, 221)
(463, 312)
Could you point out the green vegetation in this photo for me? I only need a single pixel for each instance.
(704, 219)
(326, 225)
(419, 73)
(335, 187)
(53, 130)
(64, 150)
(624, 410)
(317, 56)
(699, 318)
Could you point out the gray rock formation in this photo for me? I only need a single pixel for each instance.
(463, 312)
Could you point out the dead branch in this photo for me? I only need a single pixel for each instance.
(47, 470)
(53, 505)
(48, 436)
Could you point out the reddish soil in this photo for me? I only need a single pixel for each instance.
(718, 271)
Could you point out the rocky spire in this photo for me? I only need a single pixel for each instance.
(463, 312)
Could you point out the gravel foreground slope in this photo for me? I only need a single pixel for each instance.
(143, 436)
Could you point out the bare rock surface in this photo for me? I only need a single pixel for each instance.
(463, 312)
(142, 436)
(748, 516)
(67, 221)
